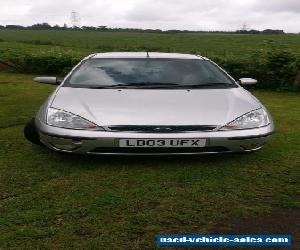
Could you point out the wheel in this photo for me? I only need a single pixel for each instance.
(31, 133)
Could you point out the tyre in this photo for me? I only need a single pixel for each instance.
(30, 132)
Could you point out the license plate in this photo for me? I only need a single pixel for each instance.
(162, 143)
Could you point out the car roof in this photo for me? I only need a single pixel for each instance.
(145, 55)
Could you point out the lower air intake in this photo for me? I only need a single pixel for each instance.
(117, 150)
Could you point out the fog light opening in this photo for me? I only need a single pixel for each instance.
(65, 147)
(77, 142)
(252, 146)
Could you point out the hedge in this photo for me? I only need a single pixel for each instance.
(274, 69)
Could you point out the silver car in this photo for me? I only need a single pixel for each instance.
(149, 103)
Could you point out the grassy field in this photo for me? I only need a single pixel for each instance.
(229, 45)
(54, 201)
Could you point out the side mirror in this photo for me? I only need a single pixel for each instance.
(247, 81)
(47, 80)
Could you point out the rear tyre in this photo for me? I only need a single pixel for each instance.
(30, 132)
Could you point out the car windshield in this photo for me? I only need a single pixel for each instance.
(148, 73)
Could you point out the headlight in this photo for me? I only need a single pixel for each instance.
(254, 119)
(63, 119)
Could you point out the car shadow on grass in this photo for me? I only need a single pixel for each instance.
(96, 161)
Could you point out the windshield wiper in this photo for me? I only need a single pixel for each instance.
(208, 85)
(153, 85)
(143, 85)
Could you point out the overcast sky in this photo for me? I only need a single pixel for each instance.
(161, 14)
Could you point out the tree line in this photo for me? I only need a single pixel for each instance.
(47, 26)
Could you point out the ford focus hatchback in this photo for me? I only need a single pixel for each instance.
(150, 103)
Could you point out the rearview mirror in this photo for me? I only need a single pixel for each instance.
(247, 81)
(47, 80)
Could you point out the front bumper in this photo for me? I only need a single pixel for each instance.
(107, 143)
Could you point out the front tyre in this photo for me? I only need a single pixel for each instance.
(31, 133)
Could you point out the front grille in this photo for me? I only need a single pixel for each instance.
(117, 150)
(161, 129)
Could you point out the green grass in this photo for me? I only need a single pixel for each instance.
(54, 201)
(229, 45)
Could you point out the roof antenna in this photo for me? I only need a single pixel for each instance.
(148, 54)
